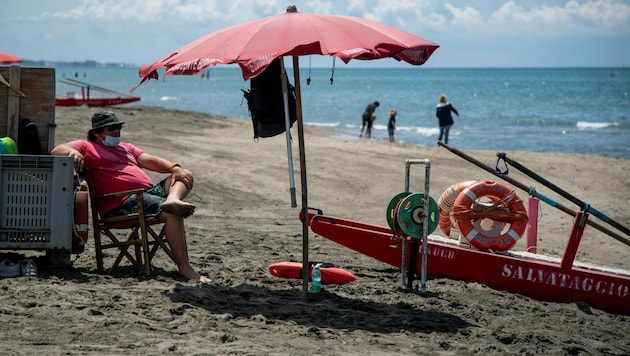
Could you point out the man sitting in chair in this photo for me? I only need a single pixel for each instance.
(116, 166)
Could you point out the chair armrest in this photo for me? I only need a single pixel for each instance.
(119, 194)
(123, 218)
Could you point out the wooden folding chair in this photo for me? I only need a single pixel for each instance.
(139, 227)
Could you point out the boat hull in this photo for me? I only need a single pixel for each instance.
(531, 275)
(95, 102)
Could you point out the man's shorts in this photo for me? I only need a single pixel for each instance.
(153, 200)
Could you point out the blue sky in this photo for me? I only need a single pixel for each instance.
(487, 33)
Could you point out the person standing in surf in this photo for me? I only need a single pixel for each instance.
(443, 113)
(391, 124)
(367, 118)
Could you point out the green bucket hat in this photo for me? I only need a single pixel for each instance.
(103, 119)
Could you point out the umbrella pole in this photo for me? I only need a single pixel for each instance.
(287, 126)
(298, 109)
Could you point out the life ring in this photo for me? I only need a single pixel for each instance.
(446, 202)
(80, 226)
(496, 226)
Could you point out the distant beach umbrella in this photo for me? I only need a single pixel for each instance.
(8, 58)
(254, 45)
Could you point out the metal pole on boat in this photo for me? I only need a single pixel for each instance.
(425, 228)
(583, 205)
(425, 223)
(531, 191)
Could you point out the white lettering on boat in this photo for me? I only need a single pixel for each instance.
(441, 252)
(566, 280)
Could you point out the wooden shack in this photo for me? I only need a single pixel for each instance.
(28, 93)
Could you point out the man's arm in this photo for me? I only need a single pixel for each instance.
(154, 163)
(161, 165)
(65, 149)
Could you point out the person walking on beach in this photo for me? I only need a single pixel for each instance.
(443, 113)
(367, 118)
(391, 125)
(117, 166)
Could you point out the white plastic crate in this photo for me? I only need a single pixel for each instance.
(36, 202)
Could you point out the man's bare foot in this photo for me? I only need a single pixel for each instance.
(179, 208)
(192, 275)
(196, 277)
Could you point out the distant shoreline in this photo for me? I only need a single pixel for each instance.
(96, 64)
(86, 64)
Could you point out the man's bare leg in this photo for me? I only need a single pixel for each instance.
(174, 210)
(174, 203)
(176, 237)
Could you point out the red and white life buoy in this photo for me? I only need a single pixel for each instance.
(80, 226)
(446, 202)
(492, 226)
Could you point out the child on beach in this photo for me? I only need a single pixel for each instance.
(391, 124)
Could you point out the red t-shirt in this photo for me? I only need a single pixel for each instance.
(112, 169)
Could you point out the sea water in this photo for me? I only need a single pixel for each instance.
(569, 110)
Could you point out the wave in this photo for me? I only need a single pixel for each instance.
(323, 124)
(420, 130)
(168, 98)
(586, 125)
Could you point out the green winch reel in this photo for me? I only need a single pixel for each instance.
(405, 214)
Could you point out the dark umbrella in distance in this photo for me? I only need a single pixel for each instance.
(254, 45)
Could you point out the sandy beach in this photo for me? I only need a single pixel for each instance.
(244, 222)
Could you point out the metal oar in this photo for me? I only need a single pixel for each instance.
(531, 191)
(585, 206)
(79, 83)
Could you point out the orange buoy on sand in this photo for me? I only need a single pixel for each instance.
(330, 273)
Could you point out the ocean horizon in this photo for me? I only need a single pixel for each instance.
(567, 110)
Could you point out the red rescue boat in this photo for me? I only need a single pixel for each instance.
(72, 99)
(99, 102)
(533, 275)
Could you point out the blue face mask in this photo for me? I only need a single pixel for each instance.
(111, 141)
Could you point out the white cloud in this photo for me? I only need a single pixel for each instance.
(79, 29)
(572, 18)
(468, 18)
(602, 12)
(508, 17)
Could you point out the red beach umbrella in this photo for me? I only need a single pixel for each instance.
(8, 58)
(254, 45)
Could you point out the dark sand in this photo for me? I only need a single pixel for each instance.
(244, 222)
